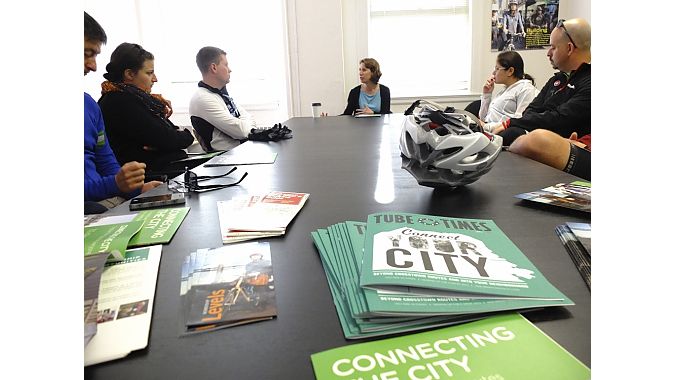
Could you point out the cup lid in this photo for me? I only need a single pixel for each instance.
(316, 104)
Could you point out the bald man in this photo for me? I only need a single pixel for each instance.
(564, 103)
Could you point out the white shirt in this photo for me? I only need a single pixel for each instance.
(511, 102)
(227, 128)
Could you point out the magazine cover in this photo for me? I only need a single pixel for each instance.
(366, 312)
(453, 257)
(575, 195)
(228, 286)
(500, 347)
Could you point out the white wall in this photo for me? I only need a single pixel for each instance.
(326, 43)
(316, 56)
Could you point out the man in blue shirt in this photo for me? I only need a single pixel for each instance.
(104, 179)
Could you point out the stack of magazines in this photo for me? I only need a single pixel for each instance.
(402, 272)
(227, 286)
(255, 216)
(576, 237)
(575, 195)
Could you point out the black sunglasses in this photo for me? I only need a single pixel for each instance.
(562, 26)
(191, 182)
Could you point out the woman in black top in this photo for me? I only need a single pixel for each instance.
(137, 122)
(369, 97)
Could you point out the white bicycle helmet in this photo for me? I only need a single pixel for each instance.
(442, 149)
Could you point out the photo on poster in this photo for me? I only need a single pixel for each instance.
(522, 24)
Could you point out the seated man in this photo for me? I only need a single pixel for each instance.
(571, 155)
(104, 180)
(564, 103)
(212, 103)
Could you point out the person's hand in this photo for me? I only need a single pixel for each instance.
(499, 128)
(574, 139)
(150, 185)
(130, 176)
(489, 85)
(170, 110)
(324, 114)
(364, 110)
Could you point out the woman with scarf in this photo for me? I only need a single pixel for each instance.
(137, 122)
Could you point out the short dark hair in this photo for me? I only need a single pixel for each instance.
(374, 66)
(93, 31)
(126, 56)
(206, 56)
(513, 59)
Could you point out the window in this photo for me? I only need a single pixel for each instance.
(175, 31)
(423, 47)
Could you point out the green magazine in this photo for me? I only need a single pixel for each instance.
(413, 254)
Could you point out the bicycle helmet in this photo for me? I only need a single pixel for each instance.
(442, 149)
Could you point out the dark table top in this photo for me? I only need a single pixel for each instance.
(351, 168)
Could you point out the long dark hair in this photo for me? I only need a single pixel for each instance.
(126, 56)
(509, 59)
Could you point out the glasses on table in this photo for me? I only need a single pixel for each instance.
(190, 183)
(561, 25)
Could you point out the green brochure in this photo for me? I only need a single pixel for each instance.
(499, 348)
(159, 225)
(413, 254)
(365, 312)
(110, 239)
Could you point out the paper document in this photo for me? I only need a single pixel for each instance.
(125, 306)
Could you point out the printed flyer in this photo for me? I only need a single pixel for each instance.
(500, 348)
(444, 256)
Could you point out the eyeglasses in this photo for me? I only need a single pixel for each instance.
(562, 26)
(191, 182)
(499, 68)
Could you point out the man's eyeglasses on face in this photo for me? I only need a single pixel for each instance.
(561, 25)
(191, 182)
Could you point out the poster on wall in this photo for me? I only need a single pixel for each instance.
(522, 24)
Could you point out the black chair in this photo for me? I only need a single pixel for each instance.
(204, 132)
(474, 107)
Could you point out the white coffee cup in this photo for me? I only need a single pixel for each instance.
(316, 109)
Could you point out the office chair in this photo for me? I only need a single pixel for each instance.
(204, 132)
(474, 107)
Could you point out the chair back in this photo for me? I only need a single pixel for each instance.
(474, 107)
(204, 132)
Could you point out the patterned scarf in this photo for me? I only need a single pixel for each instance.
(155, 103)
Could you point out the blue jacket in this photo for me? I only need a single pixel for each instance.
(100, 164)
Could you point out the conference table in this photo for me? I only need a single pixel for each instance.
(351, 167)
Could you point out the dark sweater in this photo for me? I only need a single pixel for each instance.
(131, 127)
(563, 105)
(353, 100)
